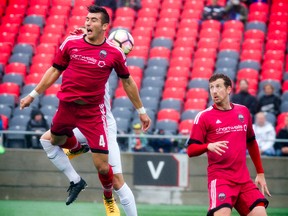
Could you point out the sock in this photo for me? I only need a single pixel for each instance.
(60, 160)
(107, 182)
(127, 200)
(72, 144)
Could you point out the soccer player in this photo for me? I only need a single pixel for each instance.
(223, 131)
(88, 61)
(125, 194)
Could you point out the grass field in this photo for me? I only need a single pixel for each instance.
(41, 208)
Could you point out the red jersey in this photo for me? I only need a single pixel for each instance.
(234, 126)
(87, 68)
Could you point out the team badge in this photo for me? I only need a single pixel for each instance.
(222, 196)
(241, 118)
(103, 54)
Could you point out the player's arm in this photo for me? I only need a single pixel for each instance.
(132, 92)
(254, 153)
(195, 148)
(50, 76)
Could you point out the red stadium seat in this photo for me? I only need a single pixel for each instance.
(42, 58)
(28, 38)
(278, 16)
(76, 21)
(278, 25)
(125, 12)
(16, 9)
(161, 52)
(166, 22)
(33, 78)
(259, 7)
(187, 32)
(181, 62)
(44, 48)
(204, 62)
(6, 48)
(31, 29)
(9, 28)
(62, 2)
(272, 64)
(185, 42)
(201, 72)
(135, 71)
(199, 104)
(232, 34)
(40, 2)
(205, 53)
(271, 74)
(208, 43)
(257, 16)
(51, 38)
(181, 72)
(12, 19)
(176, 93)
(189, 23)
(16, 67)
(229, 44)
(255, 55)
(148, 12)
(254, 34)
(186, 126)
(165, 32)
(143, 32)
(213, 24)
(150, 4)
(57, 20)
(171, 4)
(123, 22)
(247, 73)
(146, 22)
(39, 10)
(285, 86)
(195, 5)
(233, 24)
(169, 114)
(274, 55)
(176, 82)
(60, 10)
(179, 51)
(252, 44)
(7, 37)
(191, 14)
(197, 93)
(54, 29)
(139, 51)
(142, 40)
(169, 13)
(277, 35)
(275, 45)
(4, 57)
(209, 33)
(39, 68)
(10, 88)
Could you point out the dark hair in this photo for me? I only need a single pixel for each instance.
(97, 9)
(227, 80)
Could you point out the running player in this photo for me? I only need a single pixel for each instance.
(223, 131)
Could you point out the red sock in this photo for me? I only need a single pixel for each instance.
(72, 144)
(107, 182)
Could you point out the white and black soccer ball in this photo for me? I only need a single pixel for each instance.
(123, 39)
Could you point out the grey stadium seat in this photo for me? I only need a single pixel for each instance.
(153, 82)
(23, 48)
(34, 19)
(155, 71)
(136, 61)
(256, 25)
(151, 92)
(198, 83)
(151, 103)
(167, 125)
(20, 57)
(14, 78)
(122, 102)
(157, 61)
(122, 112)
(228, 54)
(249, 64)
(5, 110)
(163, 42)
(189, 114)
(171, 103)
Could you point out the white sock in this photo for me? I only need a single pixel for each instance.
(60, 160)
(127, 200)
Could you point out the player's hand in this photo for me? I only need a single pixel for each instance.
(146, 121)
(218, 147)
(26, 101)
(76, 31)
(261, 182)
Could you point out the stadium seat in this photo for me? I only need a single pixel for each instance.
(195, 104)
(272, 64)
(10, 88)
(249, 64)
(38, 10)
(256, 25)
(136, 61)
(228, 54)
(153, 82)
(188, 23)
(151, 92)
(275, 45)
(201, 72)
(21, 58)
(53, 89)
(28, 38)
(121, 112)
(19, 120)
(8, 99)
(213, 24)
(187, 32)
(191, 14)
(5, 110)
(199, 83)
(229, 44)
(155, 71)
(148, 12)
(181, 72)
(16, 140)
(161, 62)
(205, 53)
(254, 55)
(171, 103)
(165, 33)
(204, 62)
(166, 22)
(49, 100)
(257, 16)
(161, 52)
(122, 102)
(259, 7)
(13, 78)
(233, 34)
(274, 55)
(176, 93)
(185, 42)
(169, 126)
(26, 111)
(151, 103)
(34, 19)
(176, 82)
(44, 48)
(197, 93)
(16, 67)
(226, 63)
(30, 28)
(33, 78)
(23, 48)
(172, 13)
(247, 73)
(179, 51)
(186, 126)
(189, 114)
(39, 68)
(233, 24)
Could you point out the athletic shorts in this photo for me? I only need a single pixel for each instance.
(243, 197)
(114, 151)
(90, 119)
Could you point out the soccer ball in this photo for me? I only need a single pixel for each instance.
(123, 39)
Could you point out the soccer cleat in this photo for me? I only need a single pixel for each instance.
(70, 154)
(111, 206)
(74, 190)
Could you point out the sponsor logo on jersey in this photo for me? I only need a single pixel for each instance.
(103, 54)
(241, 118)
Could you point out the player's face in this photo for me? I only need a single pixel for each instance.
(94, 26)
(219, 93)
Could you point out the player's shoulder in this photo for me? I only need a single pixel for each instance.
(240, 107)
(71, 38)
(202, 114)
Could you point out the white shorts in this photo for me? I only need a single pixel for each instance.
(114, 151)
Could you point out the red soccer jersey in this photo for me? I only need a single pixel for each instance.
(234, 126)
(87, 68)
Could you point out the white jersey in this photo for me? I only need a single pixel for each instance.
(114, 151)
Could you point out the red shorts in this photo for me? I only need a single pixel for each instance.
(243, 197)
(90, 119)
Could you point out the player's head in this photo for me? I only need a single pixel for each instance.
(104, 14)
(220, 87)
(96, 23)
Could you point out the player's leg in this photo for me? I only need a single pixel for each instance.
(222, 196)
(62, 163)
(251, 201)
(123, 191)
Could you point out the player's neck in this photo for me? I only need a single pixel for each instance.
(224, 106)
(95, 40)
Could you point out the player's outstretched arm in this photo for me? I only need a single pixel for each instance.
(50, 76)
(132, 92)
